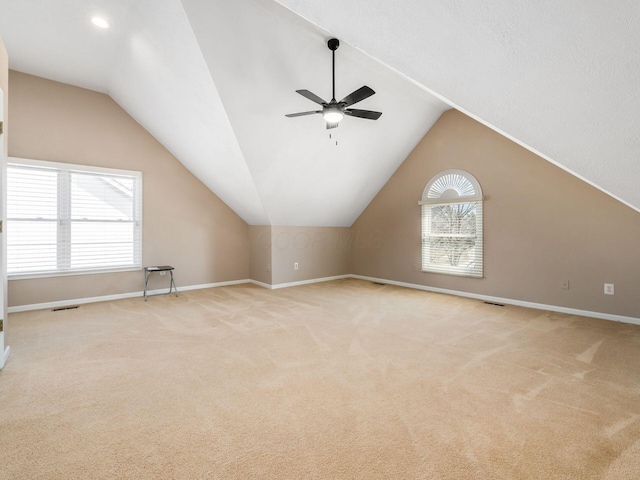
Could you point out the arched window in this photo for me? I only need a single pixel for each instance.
(452, 224)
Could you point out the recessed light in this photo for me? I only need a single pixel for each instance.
(100, 22)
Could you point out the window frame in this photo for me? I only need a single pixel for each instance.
(471, 195)
(63, 216)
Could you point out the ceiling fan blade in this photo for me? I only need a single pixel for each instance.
(369, 114)
(291, 115)
(357, 96)
(332, 125)
(311, 96)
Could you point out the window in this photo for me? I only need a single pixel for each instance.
(452, 225)
(69, 219)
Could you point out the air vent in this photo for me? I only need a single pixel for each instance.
(495, 304)
(70, 307)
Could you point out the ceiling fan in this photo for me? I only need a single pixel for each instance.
(334, 111)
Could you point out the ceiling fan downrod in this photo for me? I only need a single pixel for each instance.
(333, 45)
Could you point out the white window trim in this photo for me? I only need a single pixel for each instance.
(73, 166)
(86, 169)
(428, 202)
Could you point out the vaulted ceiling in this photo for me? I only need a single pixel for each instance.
(213, 79)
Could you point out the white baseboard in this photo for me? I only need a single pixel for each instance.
(486, 298)
(5, 357)
(76, 301)
(208, 285)
(302, 282)
(261, 284)
(507, 301)
(106, 298)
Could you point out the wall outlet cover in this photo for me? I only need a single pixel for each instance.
(608, 289)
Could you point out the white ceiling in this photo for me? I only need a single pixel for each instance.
(558, 76)
(212, 80)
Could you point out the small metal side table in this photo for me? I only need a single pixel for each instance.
(163, 268)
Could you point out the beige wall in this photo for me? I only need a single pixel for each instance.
(184, 223)
(4, 86)
(319, 251)
(541, 225)
(260, 238)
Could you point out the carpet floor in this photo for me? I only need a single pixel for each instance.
(340, 380)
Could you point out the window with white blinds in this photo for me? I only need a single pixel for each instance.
(68, 219)
(452, 225)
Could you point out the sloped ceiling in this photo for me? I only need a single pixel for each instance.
(212, 80)
(559, 77)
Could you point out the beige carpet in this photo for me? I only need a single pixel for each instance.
(342, 380)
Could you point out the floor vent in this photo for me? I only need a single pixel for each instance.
(70, 307)
(378, 283)
(496, 304)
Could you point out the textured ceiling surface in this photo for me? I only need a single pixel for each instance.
(212, 80)
(560, 77)
(259, 54)
(149, 62)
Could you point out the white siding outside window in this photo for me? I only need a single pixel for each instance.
(67, 219)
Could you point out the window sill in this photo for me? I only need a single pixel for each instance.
(455, 274)
(30, 276)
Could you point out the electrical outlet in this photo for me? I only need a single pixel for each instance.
(295, 266)
(163, 273)
(564, 284)
(608, 288)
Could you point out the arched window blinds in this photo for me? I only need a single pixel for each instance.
(452, 225)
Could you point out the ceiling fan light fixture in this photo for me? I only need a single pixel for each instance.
(100, 22)
(332, 114)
